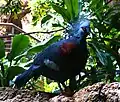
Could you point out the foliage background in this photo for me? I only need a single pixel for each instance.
(103, 41)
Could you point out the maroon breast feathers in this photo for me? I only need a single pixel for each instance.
(66, 48)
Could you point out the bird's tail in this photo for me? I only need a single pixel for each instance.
(23, 78)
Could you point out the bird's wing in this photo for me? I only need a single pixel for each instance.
(66, 48)
(54, 55)
(54, 51)
(51, 64)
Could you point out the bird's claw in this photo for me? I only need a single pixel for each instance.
(68, 92)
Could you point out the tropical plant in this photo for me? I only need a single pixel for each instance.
(13, 63)
(103, 40)
(8, 69)
(10, 6)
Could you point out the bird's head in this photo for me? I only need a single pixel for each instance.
(80, 28)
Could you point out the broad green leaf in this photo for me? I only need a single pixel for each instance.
(110, 67)
(102, 57)
(116, 42)
(46, 18)
(19, 44)
(100, 54)
(69, 5)
(72, 8)
(17, 58)
(100, 4)
(107, 49)
(93, 4)
(75, 4)
(97, 6)
(13, 71)
(40, 47)
(2, 49)
(62, 11)
(114, 54)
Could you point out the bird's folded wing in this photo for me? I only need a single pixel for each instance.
(51, 64)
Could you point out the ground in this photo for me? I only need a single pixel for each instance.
(98, 92)
(24, 95)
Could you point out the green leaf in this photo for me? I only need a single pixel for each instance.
(34, 18)
(46, 18)
(65, 14)
(75, 4)
(40, 47)
(97, 6)
(115, 42)
(100, 54)
(17, 58)
(72, 8)
(2, 49)
(100, 27)
(69, 5)
(110, 67)
(13, 71)
(20, 43)
(34, 23)
(102, 57)
(56, 25)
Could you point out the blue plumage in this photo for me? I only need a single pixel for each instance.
(61, 60)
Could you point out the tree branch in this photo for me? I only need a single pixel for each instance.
(7, 36)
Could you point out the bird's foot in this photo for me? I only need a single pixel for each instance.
(67, 92)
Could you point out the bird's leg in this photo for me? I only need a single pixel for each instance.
(78, 81)
(67, 91)
(60, 87)
(63, 84)
(72, 85)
